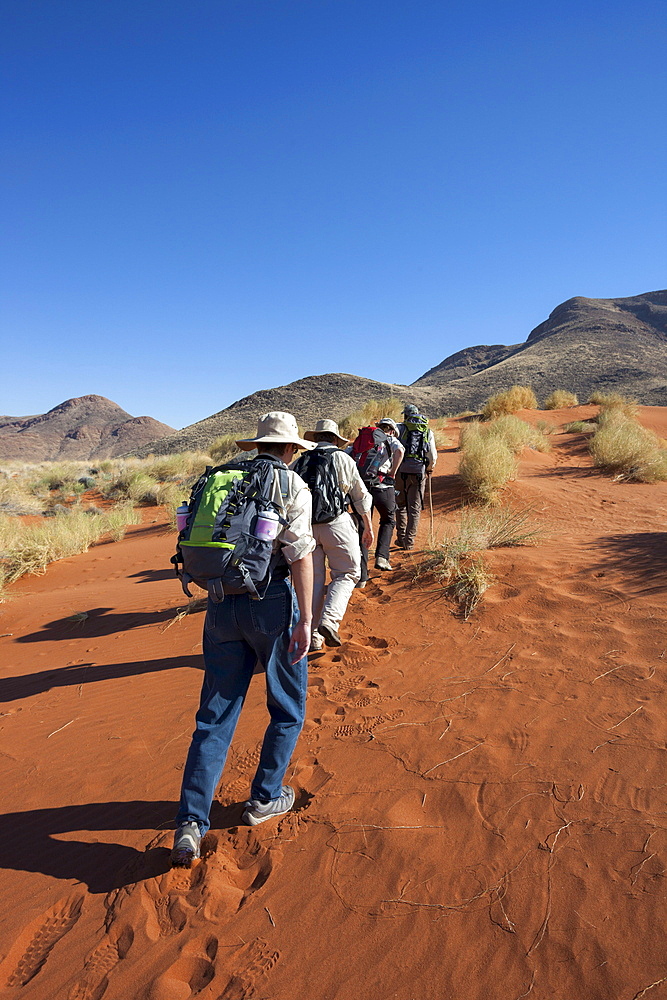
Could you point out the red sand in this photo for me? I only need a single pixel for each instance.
(482, 805)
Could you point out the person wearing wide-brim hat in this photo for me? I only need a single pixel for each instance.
(334, 480)
(240, 630)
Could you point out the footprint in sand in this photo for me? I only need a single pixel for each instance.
(34, 945)
(187, 977)
(254, 961)
(95, 976)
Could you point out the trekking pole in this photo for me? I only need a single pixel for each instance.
(430, 503)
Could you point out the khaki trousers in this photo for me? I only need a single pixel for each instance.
(337, 544)
(409, 506)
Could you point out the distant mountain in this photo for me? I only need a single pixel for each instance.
(89, 427)
(585, 344)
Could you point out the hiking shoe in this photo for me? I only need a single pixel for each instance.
(382, 563)
(316, 642)
(360, 584)
(258, 812)
(330, 634)
(186, 845)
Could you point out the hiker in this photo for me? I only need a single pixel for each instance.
(418, 463)
(240, 630)
(378, 454)
(333, 478)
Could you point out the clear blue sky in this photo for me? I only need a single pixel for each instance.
(205, 198)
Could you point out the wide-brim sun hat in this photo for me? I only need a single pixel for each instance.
(388, 420)
(327, 427)
(276, 427)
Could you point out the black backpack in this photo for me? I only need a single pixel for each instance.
(414, 437)
(318, 471)
(218, 549)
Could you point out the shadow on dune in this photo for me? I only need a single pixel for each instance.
(153, 575)
(449, 494)
(98, 623)
(12, 688)
(31, 841)
(640, 556)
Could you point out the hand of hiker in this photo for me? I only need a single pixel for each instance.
(300, 642)
(367, 538)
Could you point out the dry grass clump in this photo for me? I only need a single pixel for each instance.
(489, 453)
(30, 548)
(16, 498)
(615, 401)
(225, 448)
(623, 447)
(370, 413)
(580, 427)
(517, 434)
(179, 466)
(559, 399)
(456, 564)
(519, 397)
(486, 463)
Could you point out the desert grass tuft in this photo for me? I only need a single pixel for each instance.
(560, 399)
(580, 427)
(486, 463)
(439, 426)
(517, 434)
(629, 451)
(30, 548)
(615, 401)
(372, 411)
(519, 397)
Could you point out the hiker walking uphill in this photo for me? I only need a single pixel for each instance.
(333, 478)
(248, 528)
(418, 463)
(378, 454)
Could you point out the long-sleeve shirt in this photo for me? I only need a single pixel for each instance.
(296, 539)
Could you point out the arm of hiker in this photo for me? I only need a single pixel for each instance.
(367, 536)
(433, 453)
(302, 579)
(397, 453)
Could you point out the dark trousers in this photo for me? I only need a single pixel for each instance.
(410, 488)
(384, 501)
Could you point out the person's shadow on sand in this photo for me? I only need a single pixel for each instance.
(31, 841)
(641, 556)
(97, 622)
(13, 688)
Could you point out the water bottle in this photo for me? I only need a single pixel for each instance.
(182, 516)
(267, 525)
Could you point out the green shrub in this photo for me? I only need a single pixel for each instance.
(519, 397)
(560, 399)
(625, 448)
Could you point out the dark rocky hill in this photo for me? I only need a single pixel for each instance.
(585, 344)
(89, 427)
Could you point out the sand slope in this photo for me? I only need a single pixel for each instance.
(482, 805)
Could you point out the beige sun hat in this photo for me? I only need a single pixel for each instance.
(326, 427)
(390, 423)
(276, 427)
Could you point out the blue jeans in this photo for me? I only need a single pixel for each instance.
(239, 631)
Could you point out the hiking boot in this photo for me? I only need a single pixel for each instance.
(360, 584)
(316, 642)
(382, 563)
(186, 845)
(330, 634)
(258, 812)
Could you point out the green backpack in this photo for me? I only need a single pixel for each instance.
(219, 548)
(414, 438)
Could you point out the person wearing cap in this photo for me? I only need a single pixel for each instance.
(384, 500)
(337, 541)
(411, 480)
(238, 632)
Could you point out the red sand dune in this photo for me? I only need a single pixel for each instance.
(482, 805)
